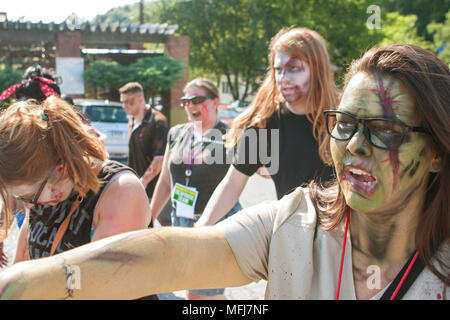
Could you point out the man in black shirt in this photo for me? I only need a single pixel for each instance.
(147, 135)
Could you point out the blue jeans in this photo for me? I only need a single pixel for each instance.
(184, 222)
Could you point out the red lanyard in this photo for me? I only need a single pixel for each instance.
(405, 275)
(347, 220)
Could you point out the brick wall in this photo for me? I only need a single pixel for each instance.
(178, 48)
(68, 44)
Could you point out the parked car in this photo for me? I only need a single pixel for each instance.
(227, 114)
(109, 118)
(239, 105)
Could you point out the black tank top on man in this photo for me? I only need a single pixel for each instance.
(299, 160)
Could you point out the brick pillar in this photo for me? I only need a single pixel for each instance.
(68, 44)
(68, 49)
(177, 47)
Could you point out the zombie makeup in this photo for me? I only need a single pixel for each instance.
(52, 192)
(205, 112)
(292, 76)
(370, 177)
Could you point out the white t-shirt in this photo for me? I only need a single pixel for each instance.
(278, 241)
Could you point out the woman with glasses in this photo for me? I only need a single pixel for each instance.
(287, 111)
(50, 163)
(194, 164)
(380, 231)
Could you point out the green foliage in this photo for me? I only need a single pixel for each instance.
(441, 36)
(236, 38)
(400, 29)
(156, 74)
(426, 11)
(230, 37)
(119, 15)
(342, 23)
(8, 77)
(103, 74)
(125, 14)
(227, 37)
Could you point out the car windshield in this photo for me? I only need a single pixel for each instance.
(106, 114)
(227, 113)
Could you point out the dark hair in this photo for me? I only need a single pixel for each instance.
(31, 84)
(427, 78)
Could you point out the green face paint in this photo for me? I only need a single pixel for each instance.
(372, 178)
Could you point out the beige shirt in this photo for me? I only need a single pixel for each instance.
(279, 241)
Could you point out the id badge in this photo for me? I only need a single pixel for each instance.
(186, 197)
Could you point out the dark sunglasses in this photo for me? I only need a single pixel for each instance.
(387, 134)
(195, 100)
(36, 196)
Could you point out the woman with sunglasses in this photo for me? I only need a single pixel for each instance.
(290, 103)
(50, 163)
(380, 231)
(194, 164)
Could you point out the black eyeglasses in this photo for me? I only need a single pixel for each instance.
(195, 100)
(387, 134)
(36, 196)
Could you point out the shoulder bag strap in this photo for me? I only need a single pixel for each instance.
(396, 292)
(63, 227)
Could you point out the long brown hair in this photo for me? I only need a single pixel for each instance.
(309, 46)
(204, 83)
(427, 78)
(35, 137)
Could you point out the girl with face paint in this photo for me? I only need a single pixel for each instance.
(390, 145)
(51, 165)
(380, 231)
(191, 162)
(290, 101)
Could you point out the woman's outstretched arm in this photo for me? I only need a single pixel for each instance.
(129, 266)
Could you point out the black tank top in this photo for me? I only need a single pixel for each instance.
(45, 220)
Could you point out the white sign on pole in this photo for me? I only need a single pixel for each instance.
(71, 71)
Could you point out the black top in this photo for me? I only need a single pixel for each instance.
(147, 141)
(209, 150)
(45, 219)
(298, 156)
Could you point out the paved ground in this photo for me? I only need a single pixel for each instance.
(256, 190)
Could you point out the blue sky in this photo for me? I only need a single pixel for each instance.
(57, 10)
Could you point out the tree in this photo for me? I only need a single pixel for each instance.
(426, 12)
(103, 74)
(441, 37)
(226, 38)
(401, 29)
(9, 77)
(156, 74)
(236, 38)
